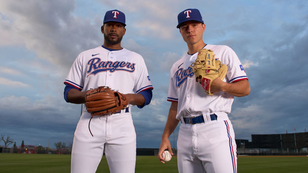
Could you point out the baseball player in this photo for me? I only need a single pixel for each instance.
(112, 66)
(206, 141)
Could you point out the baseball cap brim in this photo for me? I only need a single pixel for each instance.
(179, 25)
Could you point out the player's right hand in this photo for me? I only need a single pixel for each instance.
(217, 85)
(165, 144)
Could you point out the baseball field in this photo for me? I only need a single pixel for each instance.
(44, 163)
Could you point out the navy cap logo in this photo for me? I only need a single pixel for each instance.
(187, 12)
(115, 13)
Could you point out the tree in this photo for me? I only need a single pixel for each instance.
(63, 146)
(40, 147)
(60, 146)
(8, 141)
(22, 144)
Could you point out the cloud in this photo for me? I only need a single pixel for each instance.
(51, 30)
(247, 64)
(41, 39)
(155, 21)
(9, 35)
(15, 84)
(10, 71)
(155, 102)
(168, 60)
(34, 120)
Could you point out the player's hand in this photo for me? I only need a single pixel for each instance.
(165, 144)
(217, 85)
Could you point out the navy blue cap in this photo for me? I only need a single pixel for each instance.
(115, 16)
(189, 15)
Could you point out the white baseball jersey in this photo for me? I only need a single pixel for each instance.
(190, 95)
(209, 146)
(114, 135)
(121, 70)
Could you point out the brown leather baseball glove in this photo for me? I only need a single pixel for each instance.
(104, 101)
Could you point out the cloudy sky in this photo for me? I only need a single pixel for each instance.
(39, 40)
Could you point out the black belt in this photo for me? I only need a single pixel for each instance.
(198, 119)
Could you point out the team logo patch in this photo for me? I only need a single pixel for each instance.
(149, 78)
(241, 67)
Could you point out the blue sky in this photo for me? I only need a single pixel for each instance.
(39, 41)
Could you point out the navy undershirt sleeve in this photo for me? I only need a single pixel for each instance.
(147, 94)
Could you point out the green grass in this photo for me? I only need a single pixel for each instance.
(44, 163)
(273, 164)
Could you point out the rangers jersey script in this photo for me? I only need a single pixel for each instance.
(190, 95)
(121, 70)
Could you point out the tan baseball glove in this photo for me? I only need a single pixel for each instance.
(207, 69)
(104, 101)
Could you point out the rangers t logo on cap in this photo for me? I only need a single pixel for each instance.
(115, 14)
(187, 12)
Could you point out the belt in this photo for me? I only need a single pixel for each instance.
(198, 119)
(126, 110)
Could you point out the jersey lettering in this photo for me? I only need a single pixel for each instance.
(181, 75)
(95, 65)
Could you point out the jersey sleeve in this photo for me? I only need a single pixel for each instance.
(75, 76)
(172, 94)
(236, 70)
(143, 81)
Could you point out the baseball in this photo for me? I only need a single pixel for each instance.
(167, 156)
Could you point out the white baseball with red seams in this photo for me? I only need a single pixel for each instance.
(167, 156)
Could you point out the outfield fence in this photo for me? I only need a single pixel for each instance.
(271, 151)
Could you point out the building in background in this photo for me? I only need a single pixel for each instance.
(288, 143)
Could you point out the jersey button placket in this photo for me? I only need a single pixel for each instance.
(111, 57)
(108, 73)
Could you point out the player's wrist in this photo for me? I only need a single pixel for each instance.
(165, 137)
(224, 86)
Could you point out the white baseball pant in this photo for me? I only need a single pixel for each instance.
(208, 147)
(115, 135)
